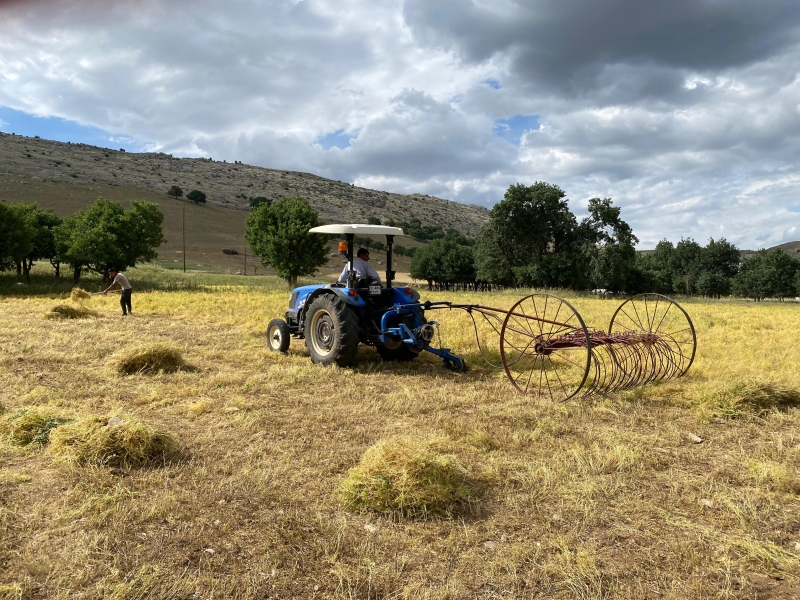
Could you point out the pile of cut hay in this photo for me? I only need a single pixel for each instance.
(156, 358)
(748, 398)
(79, 295)
(28, 426)
(407, 477)
(112, 442)
(65, 311)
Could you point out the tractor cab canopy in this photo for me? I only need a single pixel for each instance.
(350, 231)
(357, 230)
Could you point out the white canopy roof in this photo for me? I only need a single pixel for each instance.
(358, 229)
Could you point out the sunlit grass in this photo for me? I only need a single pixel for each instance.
(607, 497)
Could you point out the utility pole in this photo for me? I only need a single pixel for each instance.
(183, 228)
(245, 259)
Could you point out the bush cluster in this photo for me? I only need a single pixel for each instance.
(103, 235)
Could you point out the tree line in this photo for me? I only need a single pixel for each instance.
(532, 239)
(102, 236)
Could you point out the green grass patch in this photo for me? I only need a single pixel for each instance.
(26, 427)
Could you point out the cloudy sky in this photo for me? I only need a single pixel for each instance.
(686, 113)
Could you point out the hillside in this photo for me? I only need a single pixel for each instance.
(227, 185)
(209, 228)
(791, 248)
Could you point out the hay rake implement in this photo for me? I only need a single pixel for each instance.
(546, 349)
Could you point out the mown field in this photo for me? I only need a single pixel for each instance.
(605, 498)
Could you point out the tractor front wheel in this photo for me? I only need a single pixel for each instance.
(278, 336)
(331, 332)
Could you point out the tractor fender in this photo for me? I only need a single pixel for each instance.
(336, 291)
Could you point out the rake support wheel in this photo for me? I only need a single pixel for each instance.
(545, 347)
(675, 340)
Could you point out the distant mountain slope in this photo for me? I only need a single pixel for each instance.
(226, 184)
(791, 248)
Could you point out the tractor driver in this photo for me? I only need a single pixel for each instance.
(362, 267)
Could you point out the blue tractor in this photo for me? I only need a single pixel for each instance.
(335, 318)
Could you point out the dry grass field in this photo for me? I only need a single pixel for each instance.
(606, 498)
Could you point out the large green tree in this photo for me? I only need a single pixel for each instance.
(768, 274)
(532, 239)
(278, 234)
(609, 244)
(106, 235)
(444, 262)
(529, 238)
(44, 223)
(17, 235)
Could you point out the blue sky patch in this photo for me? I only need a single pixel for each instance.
(339, 139)
(62, 130)
(492, 83)
(795, 208)
(513, 128)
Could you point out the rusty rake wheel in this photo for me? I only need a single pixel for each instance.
(668, 335)
(545, 347)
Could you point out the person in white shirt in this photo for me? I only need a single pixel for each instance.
(362, 267)
(127, 290)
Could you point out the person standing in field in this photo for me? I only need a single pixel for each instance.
(125, 297)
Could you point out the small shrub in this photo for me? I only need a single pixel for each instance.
(65, 311)
(104, 442)
(749, 398)
(407, 477)
(26, 427)
(148, 359)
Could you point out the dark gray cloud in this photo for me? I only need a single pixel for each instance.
(579, 45)
(686, 113)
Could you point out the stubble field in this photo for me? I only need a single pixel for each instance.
(605, 498)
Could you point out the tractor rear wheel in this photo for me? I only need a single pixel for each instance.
(401, 352)
(331, 331)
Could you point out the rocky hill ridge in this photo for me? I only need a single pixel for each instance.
(226, 184)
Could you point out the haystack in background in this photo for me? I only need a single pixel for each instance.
(79, 295)
(154, 358)
(65, 311)
(112, 442)
(29, 426)
(408, 477)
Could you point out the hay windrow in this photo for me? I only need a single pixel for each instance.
(78, 295)
(155, 358)
(65, 311)
(407, 477)
(747, 399)
(26, 426)
(112, 442)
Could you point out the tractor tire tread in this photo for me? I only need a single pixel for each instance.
(346, 338)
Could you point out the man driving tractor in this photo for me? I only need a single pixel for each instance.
(361, 266)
